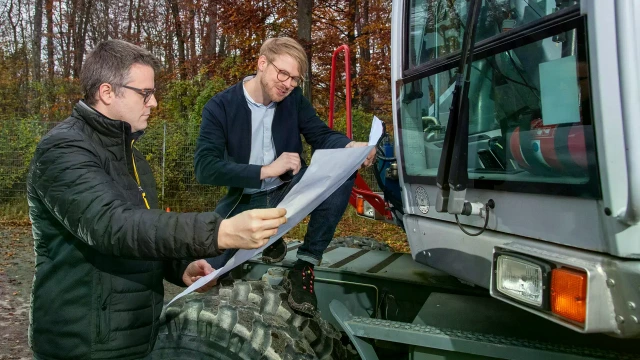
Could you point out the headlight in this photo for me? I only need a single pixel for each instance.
(522, 279)
(369, 211)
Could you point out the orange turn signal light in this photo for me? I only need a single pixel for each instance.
(360, 205)
(569, 294)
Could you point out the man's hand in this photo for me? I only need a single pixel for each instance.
(195, 271)
(285, 162)
(372, 154)
(250, 229)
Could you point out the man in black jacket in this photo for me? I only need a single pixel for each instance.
(250, 141)
(102, 245)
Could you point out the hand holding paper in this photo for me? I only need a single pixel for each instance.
(250, 229)
(197, 270)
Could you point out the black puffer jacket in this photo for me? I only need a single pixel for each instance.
(101, 254)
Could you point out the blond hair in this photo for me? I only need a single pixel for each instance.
(285, 46)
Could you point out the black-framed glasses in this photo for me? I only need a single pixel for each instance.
(284, 76)
(146, 93)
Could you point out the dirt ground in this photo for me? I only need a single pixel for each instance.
(16, 275)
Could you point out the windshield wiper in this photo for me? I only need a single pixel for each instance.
(452, 171)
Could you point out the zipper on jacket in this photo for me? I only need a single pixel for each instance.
(102, 321)
(234, 207)
(99, 311)
(135, 172)
(153, 322)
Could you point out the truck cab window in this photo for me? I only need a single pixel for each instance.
(436, 27)
(529, 106)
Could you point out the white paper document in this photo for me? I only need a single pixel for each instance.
(329, 169)
(376, 131)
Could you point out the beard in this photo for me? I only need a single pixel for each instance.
(272, 90)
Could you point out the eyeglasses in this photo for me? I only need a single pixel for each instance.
(146, 93)
(284, 76)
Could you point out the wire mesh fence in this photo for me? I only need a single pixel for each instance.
(169, 148)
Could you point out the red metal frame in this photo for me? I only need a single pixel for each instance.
(360, 187)
(332, 87)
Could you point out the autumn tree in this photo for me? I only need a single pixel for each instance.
(223, 36)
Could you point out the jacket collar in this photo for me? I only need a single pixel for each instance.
(102, 124)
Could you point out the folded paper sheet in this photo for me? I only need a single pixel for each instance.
(328, 170)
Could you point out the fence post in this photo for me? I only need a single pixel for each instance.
(164, 154)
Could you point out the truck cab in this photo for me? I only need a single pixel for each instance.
(550, 145)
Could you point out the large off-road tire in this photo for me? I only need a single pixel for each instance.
(360, 242)
(244, 320)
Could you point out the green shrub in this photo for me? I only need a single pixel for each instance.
(18, 140)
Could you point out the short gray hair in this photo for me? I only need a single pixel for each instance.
(110, 62)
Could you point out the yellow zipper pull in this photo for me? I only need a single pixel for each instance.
(135, 172)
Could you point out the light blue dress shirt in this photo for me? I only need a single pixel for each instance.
(263, 151)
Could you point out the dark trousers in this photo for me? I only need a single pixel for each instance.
(322, 224)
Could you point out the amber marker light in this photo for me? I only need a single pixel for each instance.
(569, 294)
(360, 205)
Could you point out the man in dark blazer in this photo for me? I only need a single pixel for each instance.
(250, 141)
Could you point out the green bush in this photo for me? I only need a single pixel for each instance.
(18, 140)
(179, 114)
(168, 144)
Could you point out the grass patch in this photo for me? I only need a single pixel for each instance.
(17, 212)
(14, 211)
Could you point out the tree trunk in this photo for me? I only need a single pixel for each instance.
(193, 57)
(138, 22)
(352, 18)
(192, 33)
(222, 47)
(168, 45)
(50, 59)
(130, 19)
(366, 88)
(37, 40)
(14, 27)
(305, 9)
(212, 32)
(181, 56)
(81, 36)
(201, 15)
(71, 8)
(23, 47)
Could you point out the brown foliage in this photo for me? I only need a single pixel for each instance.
(188, 35)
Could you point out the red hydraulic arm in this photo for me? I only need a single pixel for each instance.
(360, 188)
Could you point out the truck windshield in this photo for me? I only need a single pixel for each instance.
(436, 27)
(530, 123)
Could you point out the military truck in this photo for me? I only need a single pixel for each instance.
(512, 166)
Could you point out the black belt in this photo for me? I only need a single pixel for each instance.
(246, 198)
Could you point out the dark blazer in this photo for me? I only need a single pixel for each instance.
(224, 144)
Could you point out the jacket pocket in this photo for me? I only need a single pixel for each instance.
(102, 307)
